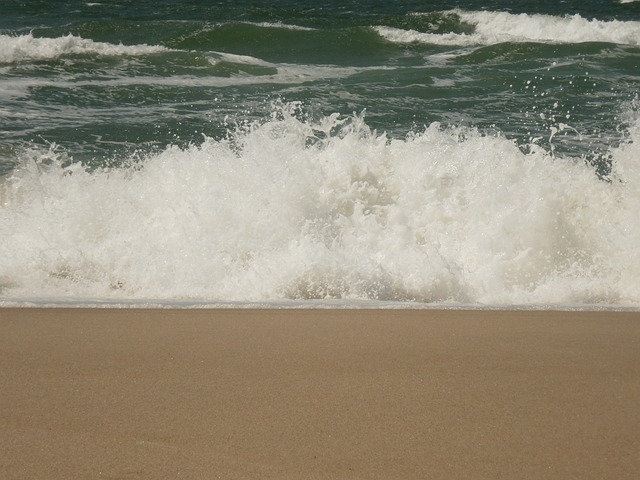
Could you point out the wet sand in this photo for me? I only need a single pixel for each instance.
(319, 394)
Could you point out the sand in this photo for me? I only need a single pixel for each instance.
(318, 394)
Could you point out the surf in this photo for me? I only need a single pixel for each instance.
(300, 209)
(489, 28)
(21, 48)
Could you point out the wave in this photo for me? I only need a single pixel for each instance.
(286, 43)
(246, 69)
(27, 47)
(227, 64)
(280, 25)
(500, 27)
(328, 209)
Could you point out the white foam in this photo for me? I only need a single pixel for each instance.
(398, 35)
(283, 74)
(500, 27)
(216, 57)
(27, 47)
(300, 210)
(284, 26)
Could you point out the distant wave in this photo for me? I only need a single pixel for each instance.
(217, 57)
(27, 47)
(284, 26)
(499, 27)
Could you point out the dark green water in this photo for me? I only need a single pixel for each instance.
(66, 76)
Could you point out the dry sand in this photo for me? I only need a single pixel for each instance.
(310, 394)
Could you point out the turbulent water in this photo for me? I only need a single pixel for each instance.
(329, 154)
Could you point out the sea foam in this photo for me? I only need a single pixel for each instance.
(21, 48)
(295, 209)
(500, 27)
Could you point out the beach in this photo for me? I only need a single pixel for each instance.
(319, 393)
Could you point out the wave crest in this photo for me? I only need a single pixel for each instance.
(501, 27)
(22, 48)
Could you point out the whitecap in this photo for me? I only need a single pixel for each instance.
(22, 48)
(500, 27)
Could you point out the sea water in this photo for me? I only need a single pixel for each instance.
(342, 154)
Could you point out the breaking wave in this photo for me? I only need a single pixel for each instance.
(21, 48)
(488, 28)
(329, 209)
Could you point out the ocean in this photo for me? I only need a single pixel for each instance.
(337, 153)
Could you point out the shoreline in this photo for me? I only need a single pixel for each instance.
(319, 393)
(151, 304)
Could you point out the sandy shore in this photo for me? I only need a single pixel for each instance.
(310, 394)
